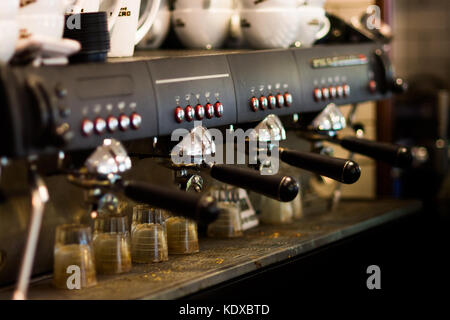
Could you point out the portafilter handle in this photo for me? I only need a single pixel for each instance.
(396, 155)
(342, 170)
(282, 188)
(186, 204)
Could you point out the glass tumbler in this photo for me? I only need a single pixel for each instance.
(276, 212)
(182, 235)
(73, 251)
(148, 235)
(112, 244)
(228, 224)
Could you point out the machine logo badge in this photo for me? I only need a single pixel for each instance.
(374, 280)
(74, 280)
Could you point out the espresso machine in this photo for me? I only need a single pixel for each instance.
(135, 111)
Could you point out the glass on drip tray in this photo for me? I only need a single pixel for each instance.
(228, 224)
(277, 212)
(148, 235)
(73, 252)
(112, 245)
(182, 235)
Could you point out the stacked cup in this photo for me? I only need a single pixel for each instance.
(92, 33)
(202, 24)
(9, 29)
(314, 24)
(272, 24)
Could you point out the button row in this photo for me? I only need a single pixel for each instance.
(199, 112)
(111, 124)
(332, 92)
(271, 101)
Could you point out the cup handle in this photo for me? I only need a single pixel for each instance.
(147, 20)
(325, 28)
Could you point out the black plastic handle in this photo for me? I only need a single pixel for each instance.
(189, 205)
(395, 155)
(282, 188)
(342, 170)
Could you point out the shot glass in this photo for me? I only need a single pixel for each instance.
(182, 236)
(112, 245)
(275, 212)
(148, 235)
(73, 252)
(228, 224)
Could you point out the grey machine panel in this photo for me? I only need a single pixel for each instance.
(332, 66)
(91, 91)
(262, 74)
(181, 82)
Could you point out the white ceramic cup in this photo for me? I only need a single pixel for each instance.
(203, 4)
(8, 9)
(44, 18)
(268, 4)
(202, 29)
(44, 6)
(314, 25)
(129, 29)
(47, 25)
(161, 26)
(270, 28)
(315, 3)
(8, 39)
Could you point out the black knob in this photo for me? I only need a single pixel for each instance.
(288, 189)
(351, 172)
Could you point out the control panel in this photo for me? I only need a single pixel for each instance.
(75, 107)
(340, 74)
(193, 89)
(266, 83)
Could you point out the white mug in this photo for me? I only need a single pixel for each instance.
(42, 17)
(129, 30)
(204, 4)
(161, 26)
(111, 6)
(314, 25)
(9, 29)
(270, 28)
(202, 28)
(268, 4)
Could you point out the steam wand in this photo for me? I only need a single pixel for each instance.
(39, 197)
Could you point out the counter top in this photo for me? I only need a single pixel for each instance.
(225, 259)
